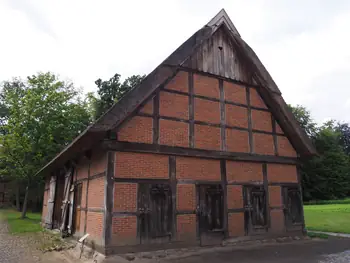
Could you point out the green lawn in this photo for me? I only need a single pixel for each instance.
(328, 217)
(30, 224)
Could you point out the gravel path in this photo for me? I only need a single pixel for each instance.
(16, 248)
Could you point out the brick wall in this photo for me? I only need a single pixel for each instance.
(243, 172)
(139, 165)
(282, 173)
(124, 230)
(234, 197)
(207, 111)
(197, 169)
(138, 129)
(98, 162)
(278, 128)
(277, 221)
(263, 144)
(275, 196)
(96, 193)
(173, 133)
(235, 93)
(179, 82)
(236, 224)
(284, 147)
(256, 100)
(186, 227)
(94, 226)
(148, 107)
(236, 116)
(82, 168)
(207, 137)
(125, 197)
(237, 141)
(261, 120)
(186, 197)
(173, 105)
(206, 86)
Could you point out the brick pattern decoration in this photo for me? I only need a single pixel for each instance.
(124, 230)
(197, 169)
(186, 227)
(173, 105)
(237, 141)
(256, 100)
(139, 165)
(186, 197)
(243, 172)
(98, 162)
(235, 93)
(125, 197)
(179, 82)
(207, 137)
(282, 173)
(148, 107)
(206, 86)
(263, 144)
(275, 196)
(83, 194)
(173, 133)
(96, 193)
(236, 116)
(236, 224)
(284, 147)
(94, 225)
(207, 111)
(138, 129)
(261, 120)
(234, 197)
(277, 221)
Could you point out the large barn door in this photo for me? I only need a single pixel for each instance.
(155, 213)
(66, 197)
(51, 203)
(255, 209)
(292, 208)
(210, 214)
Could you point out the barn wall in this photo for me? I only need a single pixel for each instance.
(205, 112)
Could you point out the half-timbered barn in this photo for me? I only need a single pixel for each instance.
(204, 149)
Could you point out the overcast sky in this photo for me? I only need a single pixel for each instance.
(305, 45)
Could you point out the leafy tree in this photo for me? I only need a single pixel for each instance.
(344, 130)
(109, 92)
(305, 120)
(44, 115)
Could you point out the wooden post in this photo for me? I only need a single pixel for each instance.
(222, 115)
(191, 108)
(173, 185)
(266, 188)
(251, 143)
(224, 189)
(109, 199)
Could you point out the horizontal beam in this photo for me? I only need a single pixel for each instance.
(113, 145)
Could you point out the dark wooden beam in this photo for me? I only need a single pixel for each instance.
(191, 109)
(250, 129)
(87, 193)
(109, 198)
(267, 199)
(173, 185)
(224, 190)
(163, 149)
(222, 116)
(141, 180)
(301, 198)
(156, 118)
(275, 145)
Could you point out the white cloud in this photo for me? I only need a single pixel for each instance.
(304, 44)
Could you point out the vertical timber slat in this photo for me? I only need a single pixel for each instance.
(191, 109)
(301, 197)
(222, 115)
(224, 189)
(156, 118)
(173, 185)
(273, 121)
(87, 193)
(267, 197)
(109, 191)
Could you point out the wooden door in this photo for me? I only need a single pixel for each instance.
(210, 214)
(77, 206)
(255, 210)
(51, 203)
(293, 210)
(65, 201)
(155, 213)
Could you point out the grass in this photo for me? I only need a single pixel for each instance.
(328, 202)
(31, 224)
(317, 235)
(328, 217)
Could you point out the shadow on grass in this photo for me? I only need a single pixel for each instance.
(30, 224)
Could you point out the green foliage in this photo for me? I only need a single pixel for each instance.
(110, 91)
(44, 114)
(317, 235)
(305, 120)
(328, 202)
(328, 218)
(30, 224)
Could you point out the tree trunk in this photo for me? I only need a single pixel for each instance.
(24, 209)
(18, 204)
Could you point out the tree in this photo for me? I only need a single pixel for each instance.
(344, 130)
(304, 119)
(109, 92)
(44, 115)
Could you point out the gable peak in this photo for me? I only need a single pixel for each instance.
(223, 18)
